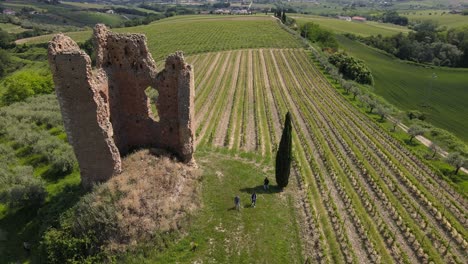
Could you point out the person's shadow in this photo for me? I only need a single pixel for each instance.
(260, 190)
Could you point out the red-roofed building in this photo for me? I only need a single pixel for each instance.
(358, 18)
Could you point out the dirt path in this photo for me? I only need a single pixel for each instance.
(426, 142)
(250, 133)
(222, 128)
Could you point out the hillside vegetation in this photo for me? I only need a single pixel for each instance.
(411, 86)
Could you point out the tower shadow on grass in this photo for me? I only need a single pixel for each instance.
(259, 189)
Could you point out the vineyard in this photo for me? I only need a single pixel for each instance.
(198, 34)
(366, 197)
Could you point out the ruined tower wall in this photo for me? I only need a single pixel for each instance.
(106, 111)
(84, 110)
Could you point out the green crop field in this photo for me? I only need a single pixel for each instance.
(84, 5)
(408, 86)
(202, 34)
(358, 28)
(10, 28)
(441, 16)
(90, 18)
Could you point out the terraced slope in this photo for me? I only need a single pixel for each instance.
(369, 200)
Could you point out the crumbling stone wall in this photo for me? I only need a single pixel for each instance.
(105, 110)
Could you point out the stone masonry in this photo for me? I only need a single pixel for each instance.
(105, 110)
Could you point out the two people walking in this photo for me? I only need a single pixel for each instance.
(253, 197)
(237, 201)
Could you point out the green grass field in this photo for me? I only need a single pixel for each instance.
(268, 233)
(358, 28)
(446, 19)
(10, 28)
(90, 18)
(408, 86)
(198, 34)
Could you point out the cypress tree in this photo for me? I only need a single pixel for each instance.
(284, 154)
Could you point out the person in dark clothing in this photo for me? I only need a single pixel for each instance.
(237, 202)
(254, 199)
(265, 183)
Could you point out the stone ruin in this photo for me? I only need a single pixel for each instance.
(106, 112)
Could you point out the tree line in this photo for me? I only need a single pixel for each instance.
(346, 65)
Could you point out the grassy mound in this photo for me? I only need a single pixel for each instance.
(152, 196)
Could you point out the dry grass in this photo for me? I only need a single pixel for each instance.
(154, 194)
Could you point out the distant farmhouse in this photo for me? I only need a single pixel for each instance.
(346, 18)
(234, 11)
(359, 19)
(9, 12)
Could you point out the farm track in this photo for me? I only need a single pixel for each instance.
(364, 197)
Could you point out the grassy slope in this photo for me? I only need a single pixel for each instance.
(358, 28)
(28, 224)
(193, 34)
(10, 28)
(268, 233)
(406, 86)
(448, 20)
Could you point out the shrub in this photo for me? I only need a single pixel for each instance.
(18, 187)
(82, 230)
(415, 130)
(456, 160)
(351, 68)
(415, 114)
(24, 84)
(315, 33)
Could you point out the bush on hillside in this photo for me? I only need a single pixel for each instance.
(325, 38)
(19, 187)
(351, 68)
(5, 60)
(24, 84)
